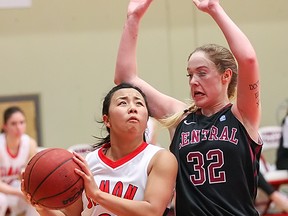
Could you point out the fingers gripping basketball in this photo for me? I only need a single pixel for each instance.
(50, 178)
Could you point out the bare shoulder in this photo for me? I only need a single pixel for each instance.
(165, 154)
(33, 142)
(164, 159)
(33, 147)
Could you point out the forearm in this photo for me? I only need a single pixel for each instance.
(248, 103)
(126, 64)
(264, 185)
(124, 207)
(239, 44)
(7, 189)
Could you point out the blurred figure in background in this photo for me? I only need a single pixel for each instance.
(16, 148)
(279, 199)
(282, 152)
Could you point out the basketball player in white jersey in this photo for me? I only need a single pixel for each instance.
(124, 175)
(15, 150)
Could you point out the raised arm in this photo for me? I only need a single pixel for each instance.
(247, 106)
(126, 64)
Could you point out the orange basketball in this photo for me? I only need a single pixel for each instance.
(50, 178)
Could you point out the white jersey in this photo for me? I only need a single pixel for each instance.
(12, 165)
(124, 178)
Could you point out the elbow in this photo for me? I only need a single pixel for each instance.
(251, 59)
(117, 81)
(248, 63)
(120, 77)
(117, 77)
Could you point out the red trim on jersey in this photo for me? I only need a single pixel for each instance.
(10, 153)
(115, 164)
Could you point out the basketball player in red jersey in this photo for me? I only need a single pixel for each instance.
(215, 142)
(124, 175)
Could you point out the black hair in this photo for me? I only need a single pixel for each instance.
(105, 109)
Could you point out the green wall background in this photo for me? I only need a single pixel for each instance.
(65, 51)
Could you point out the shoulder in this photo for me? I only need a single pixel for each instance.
(26, 140)
(163, 164)
(91, 155)
(164, 154)
(154, 152)
(32, 141)
(153, 147)
(164, 159)
(29, 141)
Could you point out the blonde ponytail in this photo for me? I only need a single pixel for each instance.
(174, 120)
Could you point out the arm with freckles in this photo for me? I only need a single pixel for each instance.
(126, 65)
(158, 191)
(247, 107)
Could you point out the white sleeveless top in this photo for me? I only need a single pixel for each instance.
(12, 165)
(125, 178)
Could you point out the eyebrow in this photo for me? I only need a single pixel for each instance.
(126, 97)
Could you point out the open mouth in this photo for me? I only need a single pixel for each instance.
(198, 94)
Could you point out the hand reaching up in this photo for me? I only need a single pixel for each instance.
(138, 7)
(205, 5)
